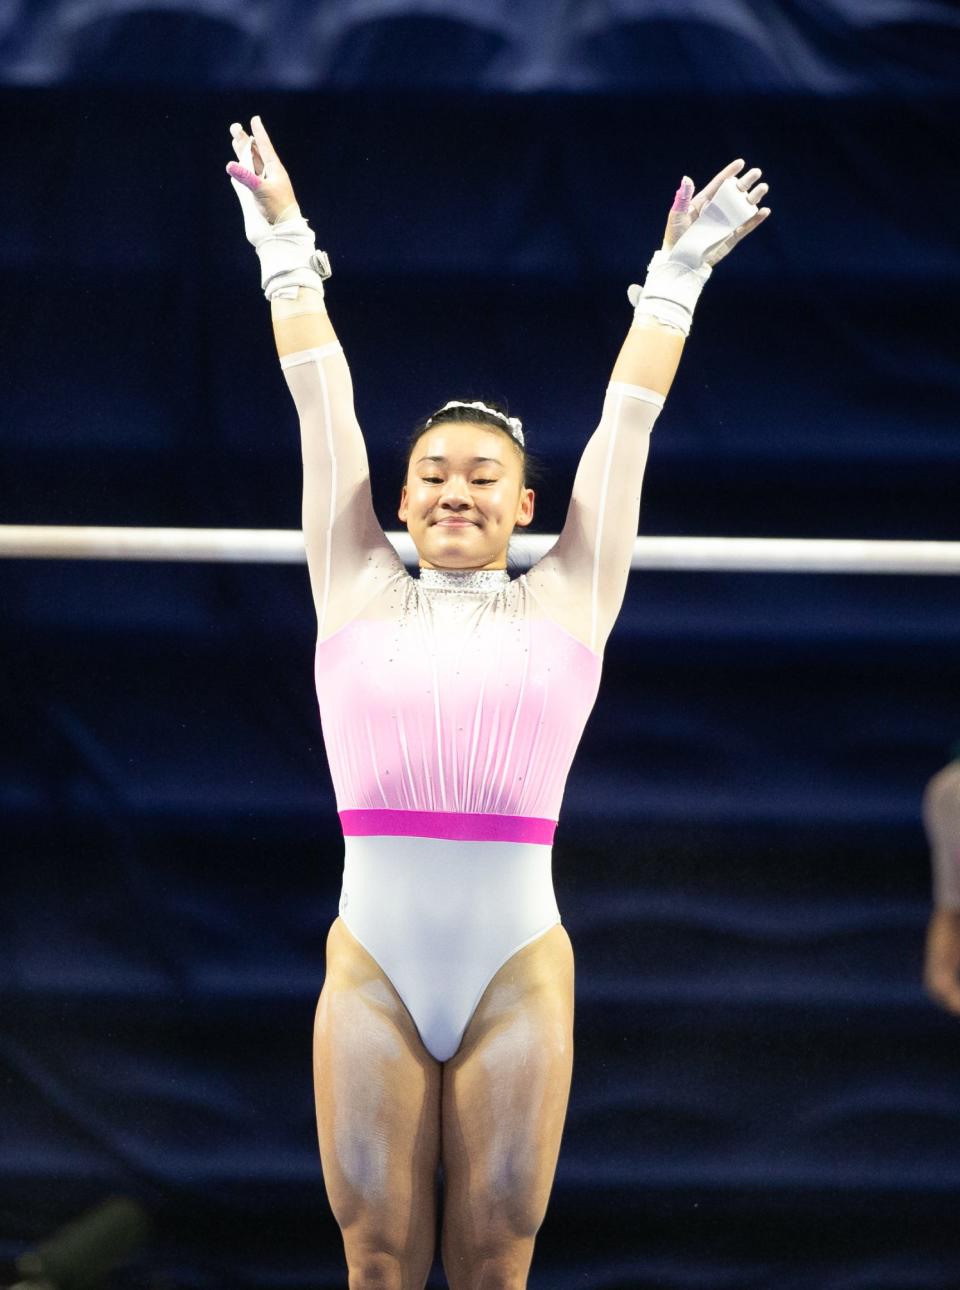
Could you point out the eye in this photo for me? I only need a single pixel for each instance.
(484, 481)
(431, 479)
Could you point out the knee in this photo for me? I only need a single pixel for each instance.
(494, 1253)
(500, 1275)
(375, 1272)
(504, 1269)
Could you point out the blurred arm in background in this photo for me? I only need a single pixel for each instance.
(941, 819)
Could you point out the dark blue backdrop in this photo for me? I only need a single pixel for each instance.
(762, 1096)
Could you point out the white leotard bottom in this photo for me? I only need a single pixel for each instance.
(442, 917)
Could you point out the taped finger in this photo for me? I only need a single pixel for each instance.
(683, 196)
(243, 176)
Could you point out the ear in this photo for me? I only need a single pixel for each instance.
(525, 507)
(402, 511)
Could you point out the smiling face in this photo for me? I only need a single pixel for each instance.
(463, 496)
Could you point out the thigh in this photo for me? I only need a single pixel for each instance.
(378, 1108)
(504, 1102)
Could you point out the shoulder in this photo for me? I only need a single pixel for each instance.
(547, 596)
(381, 590)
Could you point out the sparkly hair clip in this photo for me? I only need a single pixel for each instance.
(513, 424)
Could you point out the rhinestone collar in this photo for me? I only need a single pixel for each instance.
(464, 580)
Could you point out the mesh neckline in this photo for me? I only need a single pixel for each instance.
(464, 580)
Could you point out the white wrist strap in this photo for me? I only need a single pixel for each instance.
(675, 276)
(670, 292)
(284, 247)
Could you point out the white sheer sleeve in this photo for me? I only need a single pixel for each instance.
(582, 579)
(348, 554)
(941, 819)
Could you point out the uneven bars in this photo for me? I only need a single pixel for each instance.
(285, 546)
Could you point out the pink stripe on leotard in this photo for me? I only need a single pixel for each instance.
(460, 827)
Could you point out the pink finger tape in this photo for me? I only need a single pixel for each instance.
(243, 176)
(681, 201)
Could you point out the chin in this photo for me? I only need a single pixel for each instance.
(449, 558)
(453, 552)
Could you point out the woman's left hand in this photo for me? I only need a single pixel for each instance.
(687, 206)
(266, 176)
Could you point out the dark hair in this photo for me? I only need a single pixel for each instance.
(531, 473)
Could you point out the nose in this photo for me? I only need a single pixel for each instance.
(454, 495)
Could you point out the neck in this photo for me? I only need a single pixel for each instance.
(499, 563)
(463, 579)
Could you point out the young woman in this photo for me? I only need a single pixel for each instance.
(452, 705)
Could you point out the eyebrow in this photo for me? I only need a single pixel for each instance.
(476, 460)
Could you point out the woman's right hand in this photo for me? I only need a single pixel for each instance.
(687, 206)
(941, 973)
(259, 169)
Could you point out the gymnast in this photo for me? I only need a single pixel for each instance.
(452, 704)
(941, 819)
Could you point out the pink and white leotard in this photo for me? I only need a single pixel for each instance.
(452, 704)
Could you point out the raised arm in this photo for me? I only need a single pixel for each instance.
(581, 581)
(348, 555)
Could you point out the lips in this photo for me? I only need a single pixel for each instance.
(455, 524)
